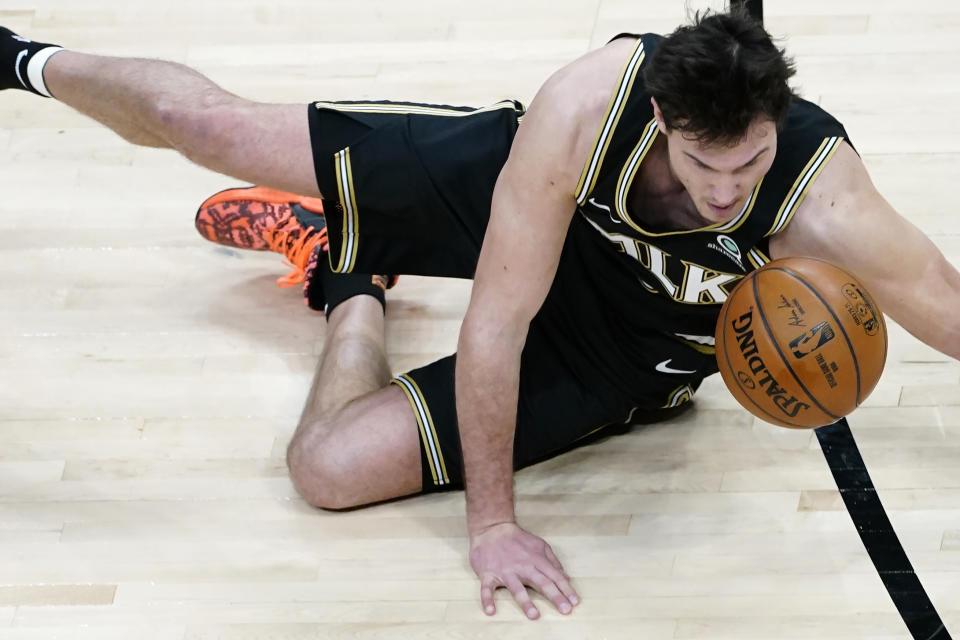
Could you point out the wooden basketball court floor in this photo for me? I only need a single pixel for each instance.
(149, 381)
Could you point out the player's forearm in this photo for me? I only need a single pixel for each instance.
(941, 331)
(944, 338)
(946, 334)
(930, 311)
(487, 381)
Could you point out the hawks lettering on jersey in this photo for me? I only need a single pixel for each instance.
(682, 280)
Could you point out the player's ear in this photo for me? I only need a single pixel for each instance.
(659, 116)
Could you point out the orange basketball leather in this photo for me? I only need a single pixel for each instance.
(800, 343)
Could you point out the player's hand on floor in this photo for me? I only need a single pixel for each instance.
(505, 555)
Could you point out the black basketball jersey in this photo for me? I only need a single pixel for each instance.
(676, 281)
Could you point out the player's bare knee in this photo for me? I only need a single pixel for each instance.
(300, 465)
(319, 475)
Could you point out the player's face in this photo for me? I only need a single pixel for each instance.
(719, 178)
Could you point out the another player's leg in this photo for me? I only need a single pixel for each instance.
(167, 105)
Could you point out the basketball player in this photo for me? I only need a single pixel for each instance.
(603, 229)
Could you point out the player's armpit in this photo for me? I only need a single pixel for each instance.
(844, 220)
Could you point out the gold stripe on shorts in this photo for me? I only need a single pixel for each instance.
(348, 201)
(428, 432)
(416, 109)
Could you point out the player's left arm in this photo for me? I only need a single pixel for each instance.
(844, 220)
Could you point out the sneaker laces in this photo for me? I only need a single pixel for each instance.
(296, 243)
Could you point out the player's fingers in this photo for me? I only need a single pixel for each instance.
(562, 581)
(488, 585)
(552, 557)
(547, 585)
(522, 597)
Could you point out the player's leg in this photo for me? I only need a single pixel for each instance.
(165, 104)
(357, 440)
(349, 452)
(360, 440)
(354, 443)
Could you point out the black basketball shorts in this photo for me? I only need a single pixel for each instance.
(407, 190)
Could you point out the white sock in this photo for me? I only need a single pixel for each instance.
(35, 69)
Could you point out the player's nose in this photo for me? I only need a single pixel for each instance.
(725, 191)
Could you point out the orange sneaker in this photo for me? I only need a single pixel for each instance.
(263, 219)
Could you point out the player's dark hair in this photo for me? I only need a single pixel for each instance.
(713, 78)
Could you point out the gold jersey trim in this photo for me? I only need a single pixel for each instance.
(629, 172)
(428, 432)
(802, 184)
(735, 223)
(757, 258)
(588, 177)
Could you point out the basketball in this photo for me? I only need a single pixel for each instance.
(800, 343)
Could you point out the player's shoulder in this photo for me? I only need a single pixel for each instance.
(579, 94)
(815, 171)
(805, 145)
(571, 106)
(587, 83)
(809, 123)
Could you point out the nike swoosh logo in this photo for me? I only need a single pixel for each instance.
(663, 368)
(16, 67)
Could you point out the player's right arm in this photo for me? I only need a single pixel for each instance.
(533, 204)
(846, 221)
